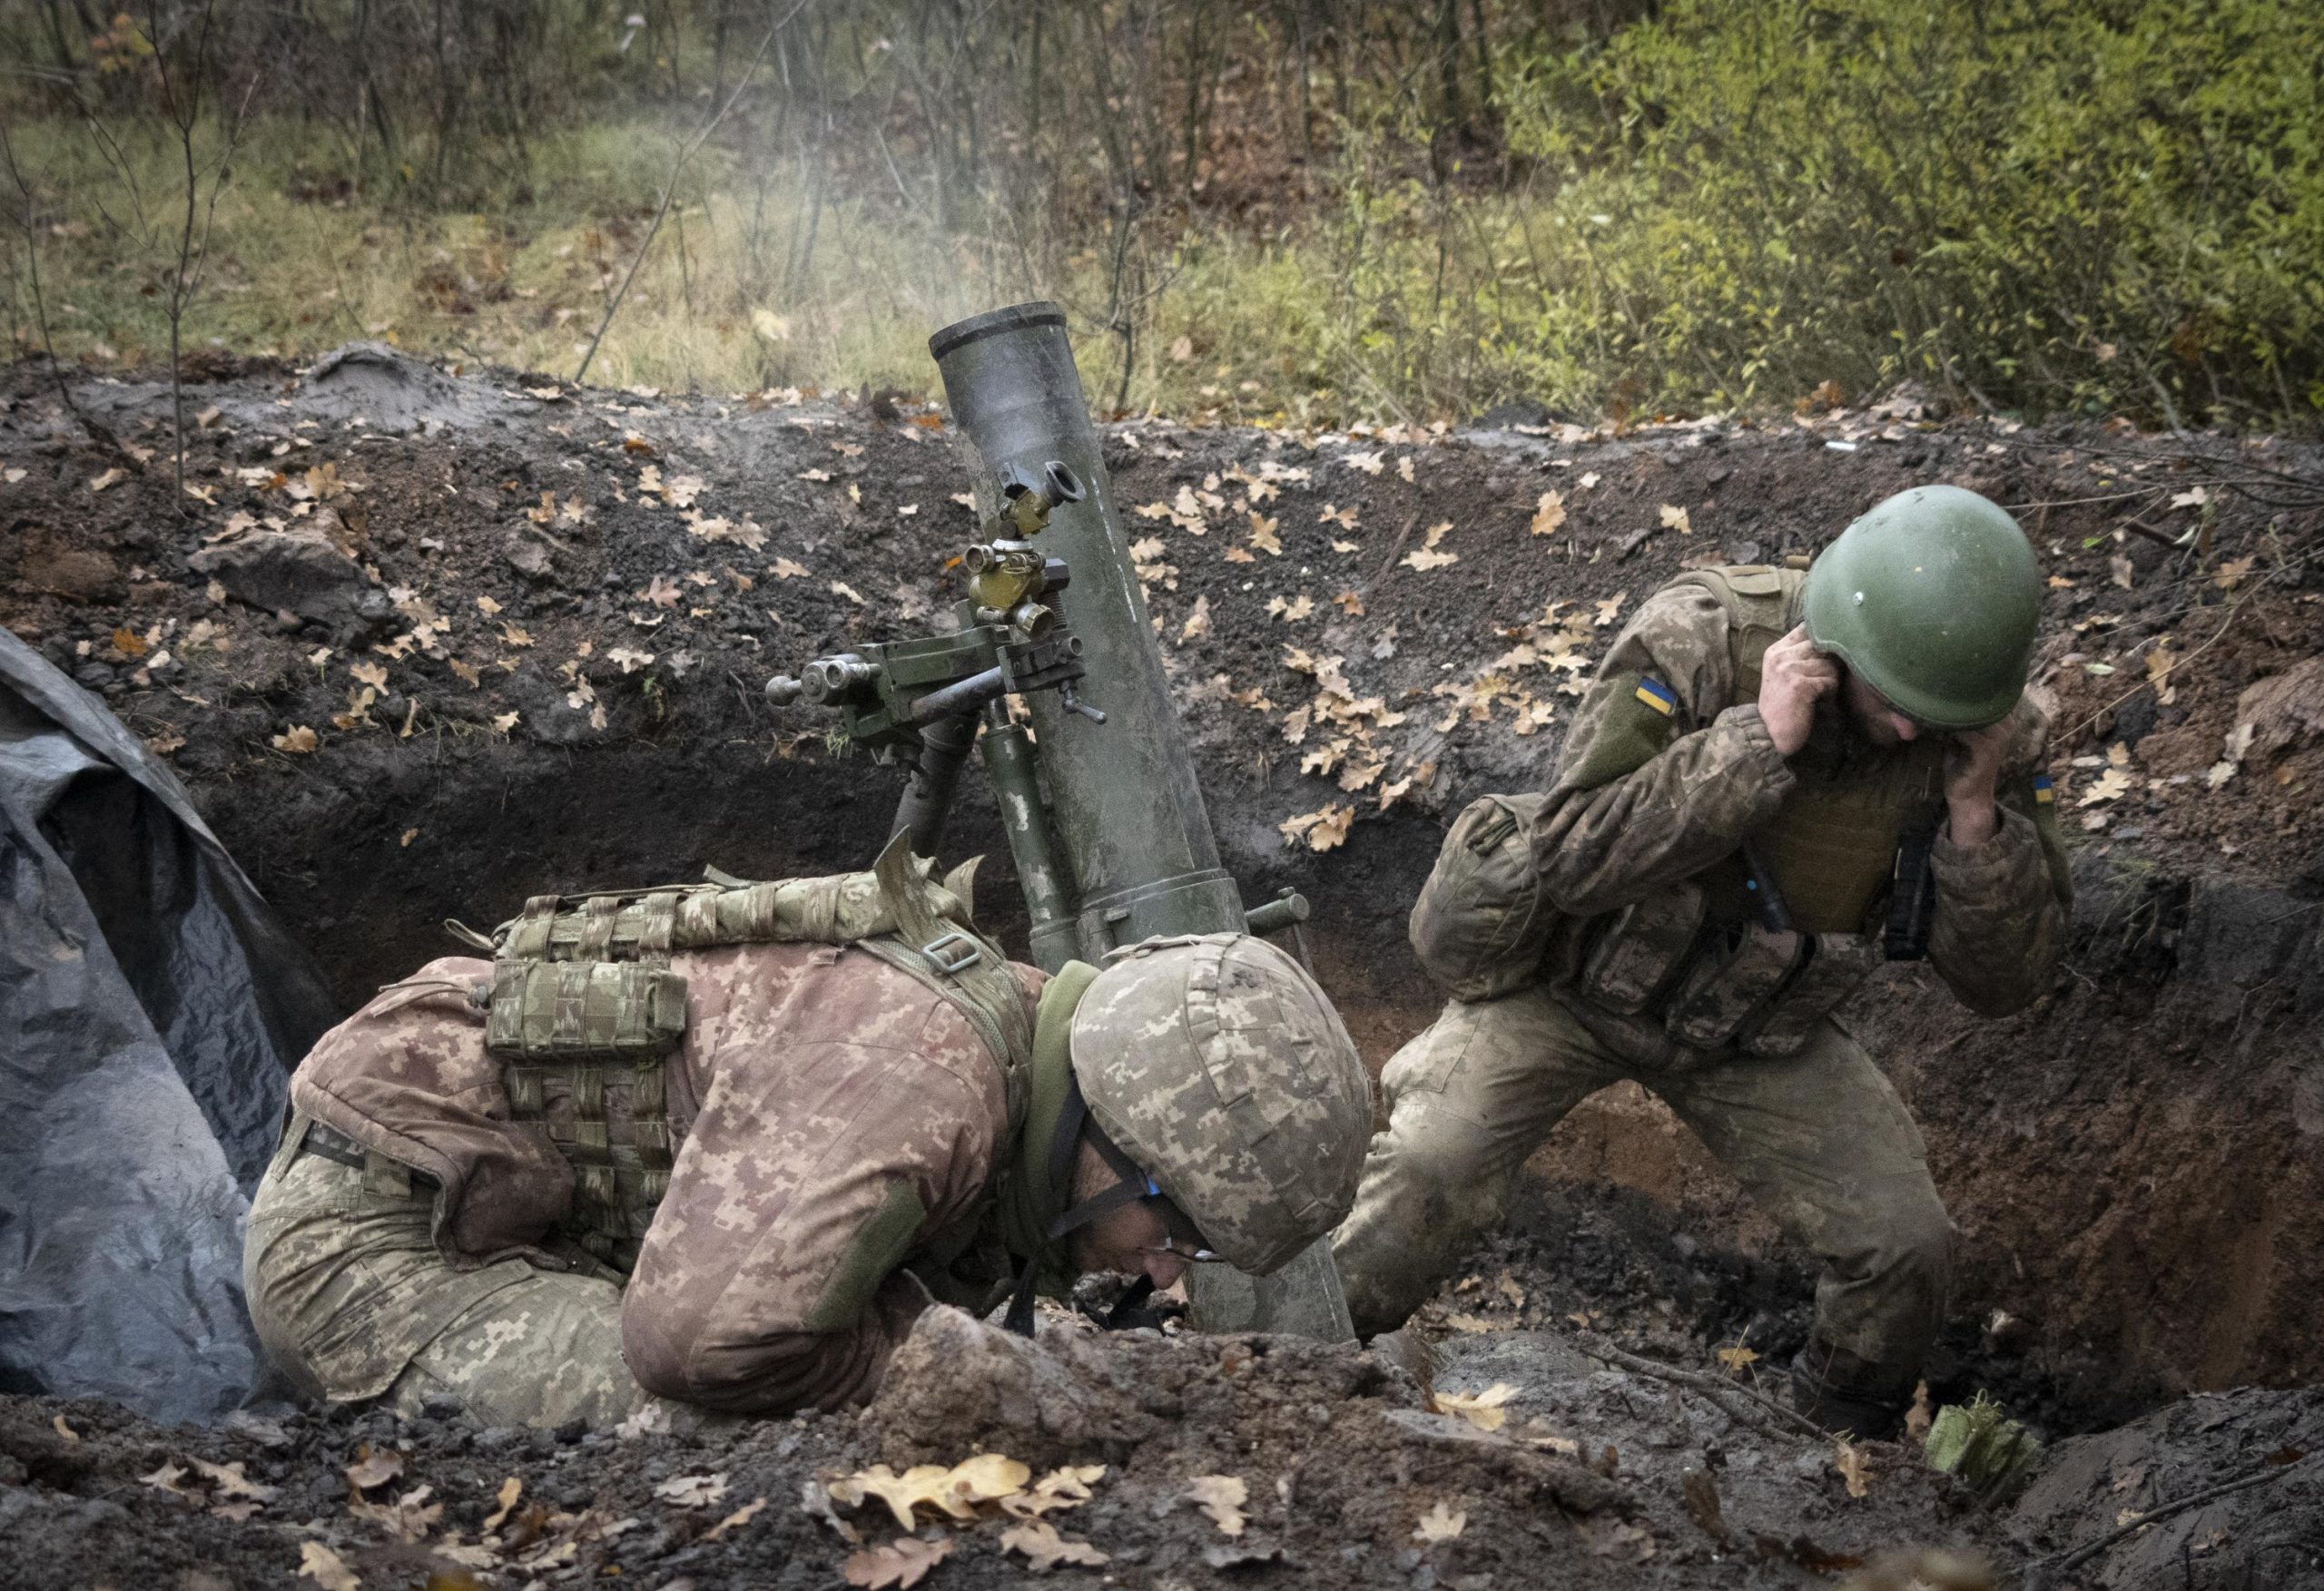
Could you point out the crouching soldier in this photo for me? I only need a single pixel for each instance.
(723, 1144)
(1776, 780)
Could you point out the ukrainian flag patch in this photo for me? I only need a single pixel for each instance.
(2044, 795)
(1657, 696)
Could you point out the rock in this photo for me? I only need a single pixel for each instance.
(80, 573)
(2283, 710)
(93, 676)
(529, 558)
(294, 570)
(962, 1385)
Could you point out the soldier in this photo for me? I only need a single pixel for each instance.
(1774, 779)
(492, 1187)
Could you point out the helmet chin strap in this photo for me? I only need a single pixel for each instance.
(1073, 1126)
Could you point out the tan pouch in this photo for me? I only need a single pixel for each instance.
(1722, 991)
(1839, 963)
(1643, 949)
(577, 1010)
(1482, 919)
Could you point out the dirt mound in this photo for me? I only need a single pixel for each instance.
(1322, 1467)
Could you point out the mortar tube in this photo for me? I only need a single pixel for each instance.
(1129, 815)
(1009, 763)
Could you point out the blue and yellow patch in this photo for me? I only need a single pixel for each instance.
(1657, 696)
(2044, 795)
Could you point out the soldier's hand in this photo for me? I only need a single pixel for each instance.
(1793, 677)
(1973, 760)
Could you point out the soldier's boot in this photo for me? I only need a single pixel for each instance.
(1842, 1392)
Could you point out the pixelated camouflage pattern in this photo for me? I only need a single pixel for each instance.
(1221, 1068)
(836, 1119)
(353, 1301)
(1819, 1139)
(1482, 918)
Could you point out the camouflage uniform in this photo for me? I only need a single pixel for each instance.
(838, 1127)
(1667, 772)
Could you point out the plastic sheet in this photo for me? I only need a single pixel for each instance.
(150, 1009)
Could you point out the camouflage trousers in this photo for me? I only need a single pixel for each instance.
(354, 1301)
(1820, 1139)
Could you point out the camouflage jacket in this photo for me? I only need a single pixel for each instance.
(836, 1120)
(1668, 768)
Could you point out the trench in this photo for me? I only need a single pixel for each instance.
(2133, 1189)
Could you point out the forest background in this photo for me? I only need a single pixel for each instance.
(1303, 211)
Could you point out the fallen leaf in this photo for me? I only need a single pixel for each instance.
(1222, 1497)
(1609, 608)
(1045, 1549)
(1589, 480)
(1738, 1357)
(692, 1491)
(2121, 569)
(373, 1466)
(1849, 1462)
(466, 670)
(784, 569)
(298, 738)
(899, 1564)
(1067, 1487)
(2231, 573)
(630, 659)
(956, 1491)
(320, 1564)
(505, 721)
(1263, 535)
(2192, 497)
(1484, 1409)
(1197, 623)
(109, 478)
(1549, 512)
(410, 1517)
(1341, 547)
(1182, 351)
(1675, 519)
(814, 475)
(62, 1430)
(1440, 1523)
(662, 592)
(1343, 517)
(841, 588)
(1919, 1416)
(2106, 787)
(169, 1478)
(370, 673)
(1611, 1537)
(510, 1490)
(1351, 604)
(1369, 463)
(1425, 559)
(737, 1520)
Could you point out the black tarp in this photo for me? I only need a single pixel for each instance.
(150, 1009)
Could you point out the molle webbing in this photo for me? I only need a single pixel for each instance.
(585, 1008)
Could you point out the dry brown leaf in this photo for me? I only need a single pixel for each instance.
(1549, 512)
(2231, 573)
(2106, 787)
(169, 1478)
(370, 673)
(1486, 1410)
(1675, 519)
(1440, 1523)
(1059, 1489)
(1423, 559)
(900, 1564)
(1351, 604)
(505, 721)
(1369, 463)
(841, 588)
(663, 592)
(1919, 1416)
(1343, 517)
(1609, 608)
(1238, 555)
(373, 1466)
(1045, 1549)
(320, 1564)
(410, 1517)
(956, 1490)
(1197, 623)
(737, 1519)
(1263, 535)
(692, 1491)
(1222, 1497)
(630, 659)
(1323, 829)
(1849, 1462)
(298, 738)
(109, 478)
(1738, 1357)
(510, 1490)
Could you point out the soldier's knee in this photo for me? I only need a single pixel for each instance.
(1434, 1147)
(1917, 1239)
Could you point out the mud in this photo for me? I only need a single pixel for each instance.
(2131, 1164)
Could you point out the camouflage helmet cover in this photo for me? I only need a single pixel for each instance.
(1217, 1065)
(1931, 598)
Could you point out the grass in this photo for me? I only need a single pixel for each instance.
(2060, 208)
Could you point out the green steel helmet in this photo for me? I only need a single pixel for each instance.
(1931, 598)
(1218, 1065)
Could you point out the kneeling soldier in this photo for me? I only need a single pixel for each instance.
(724, 1143)
(1775, 780)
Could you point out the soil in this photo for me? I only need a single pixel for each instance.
(2131, 1164)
